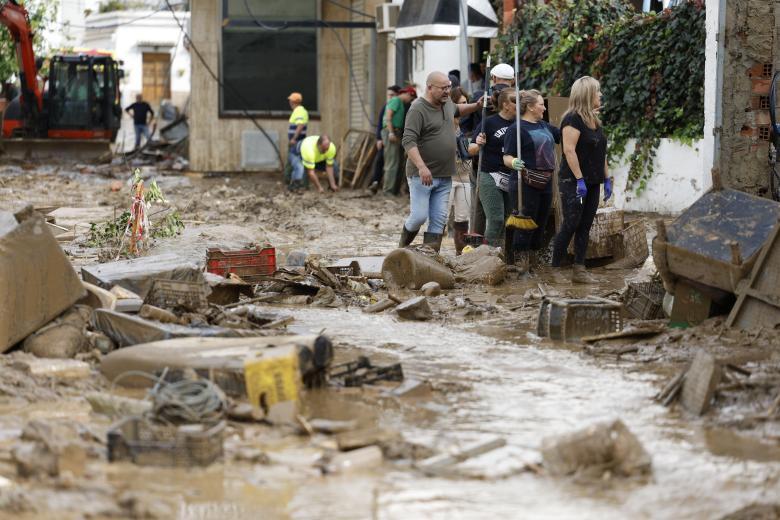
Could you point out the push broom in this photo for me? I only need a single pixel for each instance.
(473, 238)
(517, 220)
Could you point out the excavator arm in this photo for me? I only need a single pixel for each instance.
(15, 17)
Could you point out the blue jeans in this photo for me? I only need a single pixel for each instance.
(139, 131)
(294, 157)
(429, 203)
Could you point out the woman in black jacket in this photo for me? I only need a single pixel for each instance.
(583, 171)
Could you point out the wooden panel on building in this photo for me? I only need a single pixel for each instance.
(156, 77)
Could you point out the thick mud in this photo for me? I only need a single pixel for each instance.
(491, 377)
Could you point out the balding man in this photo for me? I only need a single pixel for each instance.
(429, 141)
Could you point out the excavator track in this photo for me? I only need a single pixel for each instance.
(86, 150)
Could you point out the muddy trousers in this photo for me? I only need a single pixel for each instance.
(379, 166)
(497, 205)
(392, 158)
(536, 204)
(577, 220)
(478, 214)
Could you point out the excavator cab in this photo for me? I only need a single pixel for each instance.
(83, 101)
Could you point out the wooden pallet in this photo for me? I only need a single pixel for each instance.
(758, 300)
(356, 155)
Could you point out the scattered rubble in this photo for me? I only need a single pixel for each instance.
(596, 450)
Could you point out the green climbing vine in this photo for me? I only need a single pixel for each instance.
(651, 68)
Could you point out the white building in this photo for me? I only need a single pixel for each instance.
(155, 57)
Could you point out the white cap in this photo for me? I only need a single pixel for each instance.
(503, 71)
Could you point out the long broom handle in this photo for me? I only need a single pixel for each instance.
(473, 221)
(517, 123)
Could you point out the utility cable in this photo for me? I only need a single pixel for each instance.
(259, 23)
(352, 9)
(225, 85)
(134, 20)
(187, 401)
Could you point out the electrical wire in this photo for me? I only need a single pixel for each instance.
(134, 20)
(187, 401)
(225, 85)
(259, 23)
(351, 9)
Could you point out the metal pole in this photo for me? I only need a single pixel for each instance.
(372, 76)
(464, 41)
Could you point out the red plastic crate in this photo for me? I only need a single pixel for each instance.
(250, 264)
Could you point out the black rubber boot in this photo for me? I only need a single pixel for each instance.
(407, 237)
(433, 240)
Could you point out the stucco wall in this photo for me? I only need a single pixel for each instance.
(680, 178)
(111, 31)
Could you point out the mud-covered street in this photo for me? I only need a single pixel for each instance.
(490, 376)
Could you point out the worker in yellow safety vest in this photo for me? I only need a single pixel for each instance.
(317, 154)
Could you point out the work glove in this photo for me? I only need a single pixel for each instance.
(607, 189)
(582, 190)
(517, 164)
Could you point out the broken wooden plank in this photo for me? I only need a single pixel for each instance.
(627, 333)
(700, 383)
(672, 388)
(381, 305)
(438, 462)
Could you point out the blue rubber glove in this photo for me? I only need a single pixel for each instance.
(582, 190)
(607, 189)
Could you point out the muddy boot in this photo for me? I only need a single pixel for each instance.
(558, 276)
(580, 275)
(373, 187)
(432, 240)
(407, 237)
(522, 261)
(461, 228)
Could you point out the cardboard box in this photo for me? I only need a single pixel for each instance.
(37, 281)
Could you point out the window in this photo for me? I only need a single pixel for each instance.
(269, 49)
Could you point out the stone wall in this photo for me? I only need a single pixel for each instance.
(750, 59)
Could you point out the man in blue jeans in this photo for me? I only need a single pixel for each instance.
(429, 141)
(140, 110)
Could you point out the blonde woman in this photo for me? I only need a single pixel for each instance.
(583, 171)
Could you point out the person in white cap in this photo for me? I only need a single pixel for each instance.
(502, 74)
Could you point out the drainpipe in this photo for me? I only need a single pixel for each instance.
(721, 52)
(464, 40)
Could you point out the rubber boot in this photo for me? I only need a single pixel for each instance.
(580, 275)
(461, 228)
(432, 240)
(407, 237)
(522, 261)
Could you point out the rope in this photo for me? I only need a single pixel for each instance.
(186, 401)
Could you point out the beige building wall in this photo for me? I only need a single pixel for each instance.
(215, 143)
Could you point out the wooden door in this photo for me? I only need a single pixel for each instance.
(156, 77)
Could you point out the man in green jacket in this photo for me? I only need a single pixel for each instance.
(391, 136)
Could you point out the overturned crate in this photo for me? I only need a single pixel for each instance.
(251, 265)
(146, 443)
(179, 295)
(571, 319)
(715, 243)
(644, 300)
(604, 239)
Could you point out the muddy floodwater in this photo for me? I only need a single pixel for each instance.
(492, 377)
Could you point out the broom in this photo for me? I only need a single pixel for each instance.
(517, 220)
(473, 238)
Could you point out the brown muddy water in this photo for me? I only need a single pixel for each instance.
(495, 379)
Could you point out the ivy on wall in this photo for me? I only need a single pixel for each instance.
(651, 68)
